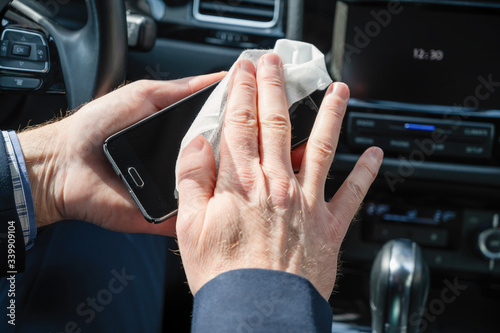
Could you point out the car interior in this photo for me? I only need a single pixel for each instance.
(424, 87)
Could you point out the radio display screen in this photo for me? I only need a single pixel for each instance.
(383, 212)
(444, 55)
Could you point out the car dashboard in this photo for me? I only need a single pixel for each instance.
(424, 80)
(415, 70)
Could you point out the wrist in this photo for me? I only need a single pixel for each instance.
(38, 147)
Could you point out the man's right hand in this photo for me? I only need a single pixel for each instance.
(256, 213)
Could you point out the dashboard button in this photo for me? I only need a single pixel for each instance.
(24, 65)
(4, 47)
(24, 51)
(21, 50)
(489, 243)
(492, 242)
(19, 82)
(41, 53)
(363, 140)
(400, 143)
(431, 237)
(22, 36)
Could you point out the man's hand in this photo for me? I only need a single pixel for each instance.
(69, 174)
(257, 213)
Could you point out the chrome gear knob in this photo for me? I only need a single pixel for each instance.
(399, 284)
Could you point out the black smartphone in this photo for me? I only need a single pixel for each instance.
(144, 155)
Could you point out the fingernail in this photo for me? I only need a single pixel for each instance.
(341, 90)
(271, 60)
(194, 147)
(377, 154)
(247, 66)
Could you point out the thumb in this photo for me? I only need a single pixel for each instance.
(196, 176)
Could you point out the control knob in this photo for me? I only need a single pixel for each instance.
(489, 240)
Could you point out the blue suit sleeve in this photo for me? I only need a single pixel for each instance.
(11, 233)
(258, 300)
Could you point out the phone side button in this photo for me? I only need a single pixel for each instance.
(136, 177)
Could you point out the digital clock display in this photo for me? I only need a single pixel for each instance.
(433, 55)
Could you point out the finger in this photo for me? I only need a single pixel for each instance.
(135, 223)
(166, 95)
(323, 140)
(346, 201)
(230, 83)
(274, 120)
(239, 144)
(166, 228)
(297, 155)
(196, 177)
(138, 100)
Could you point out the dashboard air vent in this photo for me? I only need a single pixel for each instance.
(254, 13)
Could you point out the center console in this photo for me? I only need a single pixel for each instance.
(425, 87)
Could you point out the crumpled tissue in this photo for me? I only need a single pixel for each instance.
(304, 71)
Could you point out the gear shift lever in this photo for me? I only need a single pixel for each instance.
(399, 283)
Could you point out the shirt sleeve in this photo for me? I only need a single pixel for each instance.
(21, 187)
(12, 243)
(258, 300)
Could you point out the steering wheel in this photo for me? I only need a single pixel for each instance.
(92, 59)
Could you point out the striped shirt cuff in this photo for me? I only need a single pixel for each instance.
(22, 190)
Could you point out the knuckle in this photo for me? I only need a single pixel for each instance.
(242, 115)
(325, 148)
(144, 90)
(273, 79)
(356, 189)
(188, 171)
(276, 120)
(242, 180)
(144, 87)
(366, 167)
(336, 109)
(247, 84)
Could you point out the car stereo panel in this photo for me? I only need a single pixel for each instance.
(405, 134)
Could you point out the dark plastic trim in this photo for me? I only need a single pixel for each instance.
(447, 172)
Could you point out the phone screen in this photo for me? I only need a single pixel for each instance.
(144, 155)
